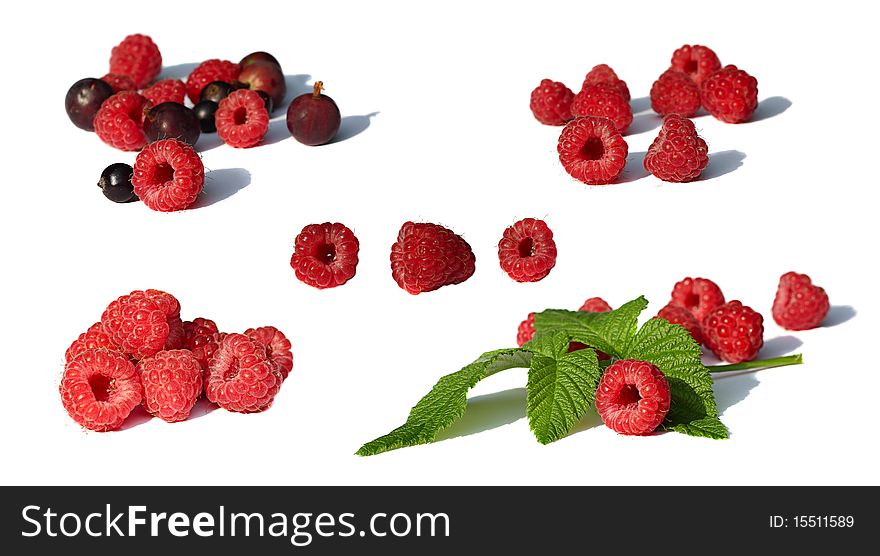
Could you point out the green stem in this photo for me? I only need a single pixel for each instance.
(796, 359)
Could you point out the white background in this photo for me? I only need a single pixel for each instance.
(452, 141)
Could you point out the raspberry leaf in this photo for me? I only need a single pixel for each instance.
(610, 332)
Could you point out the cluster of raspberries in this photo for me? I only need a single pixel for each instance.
(591, 146)
(141, 352)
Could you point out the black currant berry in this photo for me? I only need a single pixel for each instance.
(171, 120)
(83, 100)
(115, 182)
(204, 112)
(267, 100)
(216, 91)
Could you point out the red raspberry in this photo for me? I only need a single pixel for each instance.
(91, 339)
(697, 295)
(119, 121)
(697, 61)
(168, 175)
(99, 389)
(208, 71)
(119, 82)
(592, 150)
(799, 305)
(603, 101)
(734, 332)
(595, 305)
(242, 119)
(143, 323)
(167, 90)
(527, 251)
(551, 102)
(603, 74)
(730, 94)
(675, 93)
(684, 318)
(426, 257)
(633, 397)
(277, 347)
(241, 377)
(325, 255)
(678, 154)
(138, 57)
(526, 330)
(201, 338)
(172, 382)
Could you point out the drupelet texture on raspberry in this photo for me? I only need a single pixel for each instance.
(277, 347)
(143, 323)
(595, 305)
(734, 332)
(675, 93)
(684, 318)
(172, 382)
(799, 305)
(168, 175)
(678, 154)
(603, 101)
(167, 90)
(426, 257)
(604, 75)
(730, 94)
(696, 61)
(633, 397)
(325, 255)
(697, 295)
(242, 378)
(138, 57)
(93, 338)
(208, 71)
(242, 119)
(99, 389)
(551, 102)
(526, 330)
(202, 339)
(119, 82)
(527, 252)
(592, 150)
(119, 121)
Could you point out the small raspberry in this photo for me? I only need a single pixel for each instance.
(99, 389)
(208, 71)
(277, 347)
(682, 317)
(633, 397)
(697, 295)
(730, 94)
(603, 101)
(551, 102)
(604, 75)
(172, 382)
(697, 61)
(138, 57)
(167, 90)
(799, 305)
(201, 338)
(241, 377)
(678, 154)
(143, 323)
(592, 150)
(526, 330)
(119, 121)
(242, 119)
(426, 257)
(527, 251)
(675, 93)
(119, 82)
(91, 339)
(168, 175)
(325, 255)
(734, 332)
(595, 305)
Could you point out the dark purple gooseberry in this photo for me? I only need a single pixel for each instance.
(171, 120)
(83, 100)
(313, 118)
(258, 57)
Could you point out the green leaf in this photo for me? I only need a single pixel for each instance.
(609, 332)
(446, 402)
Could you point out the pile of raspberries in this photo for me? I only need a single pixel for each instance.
(591, 146)
(141, 352)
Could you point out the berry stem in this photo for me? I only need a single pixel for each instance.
(319, 86)
(796, 359)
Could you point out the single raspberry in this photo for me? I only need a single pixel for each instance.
(426, 257)
(684, 318)
(93, 338)
(633, 397)
(277, 347)
(697, 61)
(143, 323)
(734, 332)
(527, 251)
(119, 121)
(242, 119)
(697, 295)
(241, 377)
(799, 305)
(99, 389)
(526, 330)
(595, 305)
(603, 101)
(138, 57)
(168, 175)
(325, 255)
(202, 339)
(592, 150)
(167, 90)
(675, 93)
(208, 71)
(119, 82)
(172, 382)
(730, 94)
(551, 102)
(604, 75)
(678, 154)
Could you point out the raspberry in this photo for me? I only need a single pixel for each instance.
(527, 251)
(242, 119)
(325, 255)
(91, 339)
(167, 90)
(526, 330)
(592, 150)
(633, 397)
(675, 93)
(697, 61)
(730, 94)
(682, 317)
(799, 305)
(551, 102)
(697, 295)
(603, 101)
(138, 57)
(143, 323)
(277, 347)
(168, 175)
(99, 389)
(678, 154)
(172, 382)
(208, 71)
(120, 119)
(603, 74)
(426, 257)
(201, 338)
(595, 305)
(241, 377)
(734, 332)
(119, 82)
